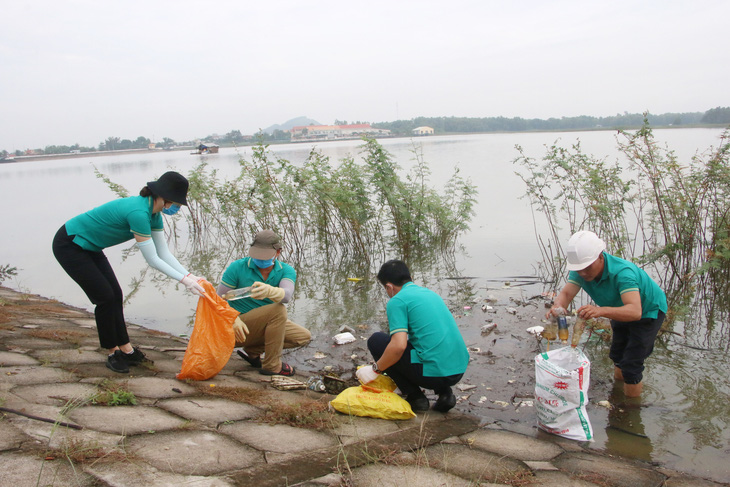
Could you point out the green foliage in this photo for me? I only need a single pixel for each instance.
(717, 115)
(650, 208)
(517, 124)
(118, 189)
(355, 211)
(7, 271)
(113, 394)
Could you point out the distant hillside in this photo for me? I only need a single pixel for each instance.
(291, 123)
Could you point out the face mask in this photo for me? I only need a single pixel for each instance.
(263, 264)
(171, 210)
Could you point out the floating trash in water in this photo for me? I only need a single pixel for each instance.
(354, 279)
(605, 404)
(319, 355)
(512, 311)
(345, 328)
(342, 338)
(488, 328)
(474, 349)
(466, 387)
(467, 308)
(535, 330)
(482, 399)
(501, 403)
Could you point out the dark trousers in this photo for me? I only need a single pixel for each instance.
(632, 343)
(409, 376)
(92, 271)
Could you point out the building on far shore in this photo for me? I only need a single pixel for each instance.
(422, 131)
(332, 132)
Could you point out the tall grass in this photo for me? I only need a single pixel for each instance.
(348, 212)
(670, 216)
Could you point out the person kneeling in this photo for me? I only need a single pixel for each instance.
(424, 348)
(263, 327)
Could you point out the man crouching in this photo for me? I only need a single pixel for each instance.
(424, 347)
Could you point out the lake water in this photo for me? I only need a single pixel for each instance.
(37, 197)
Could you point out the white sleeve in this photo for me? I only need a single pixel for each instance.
(158, 237)
(288, 287)
(150, 254)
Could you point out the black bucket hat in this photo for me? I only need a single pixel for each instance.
(171, 186)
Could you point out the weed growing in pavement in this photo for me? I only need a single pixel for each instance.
(61, 335)
(113, 394)
(307, 414)
(247, 395)
(311, 414)
(78, 451)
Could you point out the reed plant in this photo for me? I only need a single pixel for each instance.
(669, 216)
(351, 212)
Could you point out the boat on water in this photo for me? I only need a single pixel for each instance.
(206, 149)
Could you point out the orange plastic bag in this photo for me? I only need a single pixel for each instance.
(212, 340)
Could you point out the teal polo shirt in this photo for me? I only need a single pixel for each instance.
(621, 276)
(114, 222)
(437, 342)
(243, 273)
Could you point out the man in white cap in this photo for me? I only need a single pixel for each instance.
(623, 293)
(263, 328)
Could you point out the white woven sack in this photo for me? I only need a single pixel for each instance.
(561, 393)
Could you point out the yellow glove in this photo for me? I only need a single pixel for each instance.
(240, 330)
(260, 290)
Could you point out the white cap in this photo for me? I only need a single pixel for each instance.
(584, 248)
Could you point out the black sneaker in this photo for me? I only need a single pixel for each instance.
(116, 363)
(419, 403)
(445, 402)
(137, 357)
(254, 362)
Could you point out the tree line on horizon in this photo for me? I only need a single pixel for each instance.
(441, 125)
(719, 115)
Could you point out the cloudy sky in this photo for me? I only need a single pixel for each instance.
(79, 71)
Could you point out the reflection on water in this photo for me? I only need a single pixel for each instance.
(625, 432)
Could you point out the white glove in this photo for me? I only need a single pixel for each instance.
(366, 374)
(260, 290)
(195, 278)
(240, 330)
(193, 285)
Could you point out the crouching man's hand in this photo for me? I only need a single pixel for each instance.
(366, 374)
(240, 330)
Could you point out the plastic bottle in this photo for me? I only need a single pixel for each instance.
(551, 329)
(239, 293)
(316, 383)
(578, 328)
(563, 331)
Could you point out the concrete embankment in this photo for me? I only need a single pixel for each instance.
(68, 420)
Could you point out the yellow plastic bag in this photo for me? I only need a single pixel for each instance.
(212, 340)
(359, 401)
(382, 384)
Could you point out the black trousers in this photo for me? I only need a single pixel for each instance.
(632, 343)
(92, 271)
(409, 376)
